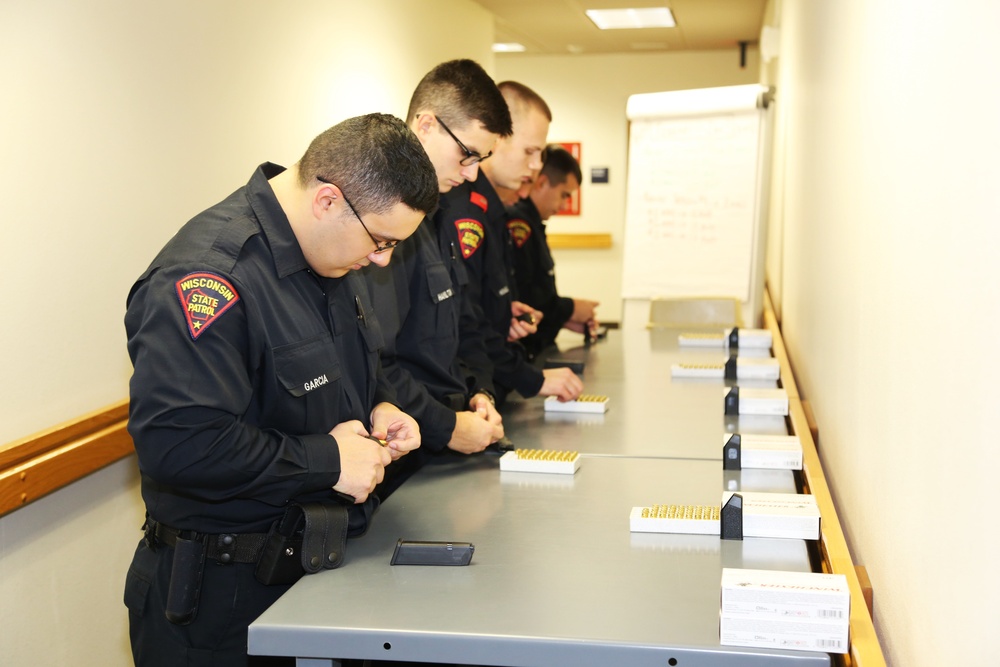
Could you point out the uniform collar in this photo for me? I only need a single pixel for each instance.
(285, 250)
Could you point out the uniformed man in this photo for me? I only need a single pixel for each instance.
(477, 223)
(534, 269)
(458, 114)
(257, 381)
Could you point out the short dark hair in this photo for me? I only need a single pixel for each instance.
(519, 94)
(558, 164)
(460, 91)
(376, 160)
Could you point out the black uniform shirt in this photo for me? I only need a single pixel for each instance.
(416, 300)
(244, 361)
(535, 274)
(476, 222)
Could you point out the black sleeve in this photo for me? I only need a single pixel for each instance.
(188, 399)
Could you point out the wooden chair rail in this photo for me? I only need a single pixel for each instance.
(778, 345)
(577, 241)
(39, 464)
(865, 648)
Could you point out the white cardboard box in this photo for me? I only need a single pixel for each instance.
(789, 610)
(787, 515)
(779, 515)
(756, 338)
(771, 452)
(757, 401)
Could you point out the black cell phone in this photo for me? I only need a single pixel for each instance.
(526, 317)
(415, 552)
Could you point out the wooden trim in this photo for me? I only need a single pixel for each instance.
(866, 588)
(811, 420)
(865, 648)
(778, 346)
(588, 241)
(39, 464)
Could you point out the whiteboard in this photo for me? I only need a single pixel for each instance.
(694, 193)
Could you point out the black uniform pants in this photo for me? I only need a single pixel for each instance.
(231, 598)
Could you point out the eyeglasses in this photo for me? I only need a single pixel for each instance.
(380, 247)
(471, 157)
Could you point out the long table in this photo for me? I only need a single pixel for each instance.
(649, 414)
(557, 577)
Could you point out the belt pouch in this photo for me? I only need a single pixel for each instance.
(325, 538)
(310, 537)
(280, 561)
(185, 581)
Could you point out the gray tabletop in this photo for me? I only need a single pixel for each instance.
(649, 414)
(556, 578)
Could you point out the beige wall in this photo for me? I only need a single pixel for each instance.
(889, 295)
(120, 120)
(587, 95)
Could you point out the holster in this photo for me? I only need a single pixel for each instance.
(186, 572)
(309, 537)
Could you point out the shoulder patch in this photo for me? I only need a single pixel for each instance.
(520, 232)
(470, 236)
(479, 200)
(204, 298)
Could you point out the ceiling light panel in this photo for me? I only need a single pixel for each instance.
(622, 19)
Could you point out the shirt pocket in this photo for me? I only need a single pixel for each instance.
(307, 366)
(439, 285)
(443, 315)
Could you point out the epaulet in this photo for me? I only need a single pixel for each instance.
(479, 200)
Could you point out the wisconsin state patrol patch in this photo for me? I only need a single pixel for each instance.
(520, 232)
(470, 236)
(479, 200)
(204, 298)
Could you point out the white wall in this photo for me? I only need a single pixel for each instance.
(890, 288)
(587, 95)
(120, 120)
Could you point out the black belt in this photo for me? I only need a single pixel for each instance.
(222, 547)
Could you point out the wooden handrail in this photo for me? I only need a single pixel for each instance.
(566, 241)
(865, 648)
(778, 346)
(41, 463)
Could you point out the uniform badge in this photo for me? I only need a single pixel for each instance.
(520, 232)
(479, 200)
(204, 298)
(470, 236)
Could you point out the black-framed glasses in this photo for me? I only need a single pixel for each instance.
(471, 157)
(380, 247)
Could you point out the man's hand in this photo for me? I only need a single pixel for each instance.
(583, 311)
(561, 383)
(482, 405)
(472, 433)
(398, 429)
(524, 321)
(478, 428)
(362, 460)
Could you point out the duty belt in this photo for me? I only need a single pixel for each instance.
(222, 547)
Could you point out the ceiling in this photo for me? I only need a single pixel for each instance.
(561, 27)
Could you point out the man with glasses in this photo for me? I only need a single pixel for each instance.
(477, 223)
(257, 384)
(457, 114)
